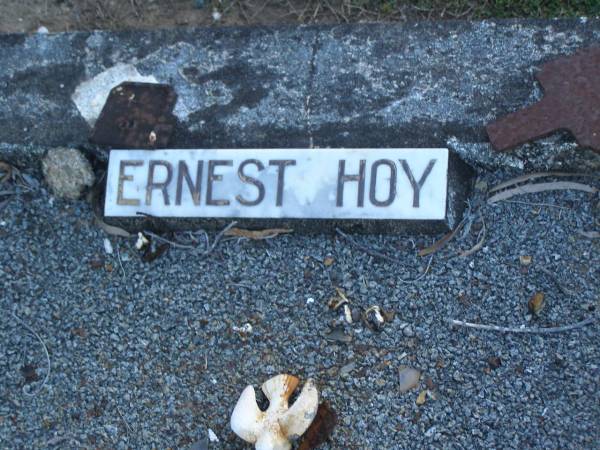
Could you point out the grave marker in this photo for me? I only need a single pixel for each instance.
(332, 186)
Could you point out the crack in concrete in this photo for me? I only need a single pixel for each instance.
(311, 77)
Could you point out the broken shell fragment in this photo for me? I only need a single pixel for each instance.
(274, 428)
(337, 302)
(409, 378)
(244, 329)
(525, 260)
(341, 301)
(142, 241)
(348, 314)
(373, 317)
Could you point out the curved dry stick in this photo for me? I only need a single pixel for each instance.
(541, 187)
(533, 176)
(367, 250)
(31, 330)
(550, 330)
(479, 245)
(371, 252)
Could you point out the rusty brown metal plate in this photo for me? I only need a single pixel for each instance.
(136, 116)
(571, 102)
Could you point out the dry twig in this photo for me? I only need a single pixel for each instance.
(208, 249)
(439, 244)
(219, 236)
(533, 176)
(549, 205)
(554, 278)
(367, 250)
(550, 330)
(59, 439)
(129, 430)
(372, 252)
(32, 331)
(257, 234)
(120, 262)
(479, 245)
(541, 187)
(3, 204)
(401, 280)
(589, 234)
(175, 244)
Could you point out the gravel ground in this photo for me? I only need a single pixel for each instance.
(144, 355)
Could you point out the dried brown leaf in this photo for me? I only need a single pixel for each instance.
(150, 254)
(29, 373)
(541, 187)
(320, 429)
(111, 229)
(257, 234)
(96, 263)
(438, 245)
(536, 303)
(533, 176)
(421, 398)
(429, 383)
(7, 169)
(81, 332)
(494, 362)
(589, 234)
(94, 198)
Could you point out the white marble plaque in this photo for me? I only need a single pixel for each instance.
(279, 183)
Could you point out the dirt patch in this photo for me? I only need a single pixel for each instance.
(23, 16)
(17, 16)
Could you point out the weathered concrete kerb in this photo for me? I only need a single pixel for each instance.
(432, 84)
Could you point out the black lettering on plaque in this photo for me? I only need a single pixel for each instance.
(184, 173)
(343, 178)
(151, 184)
(417, 186)
(122, 178)
(251, 180)
(392, 193)
(281, 164)
(212, 177)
